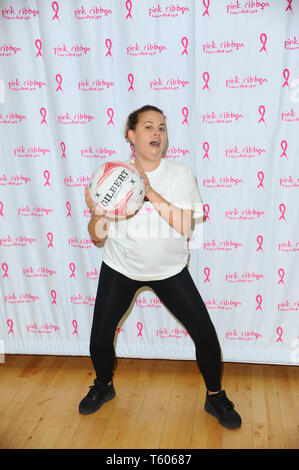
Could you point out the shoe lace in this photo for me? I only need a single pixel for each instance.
(92, 392)
(225, 403)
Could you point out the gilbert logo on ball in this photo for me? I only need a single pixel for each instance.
(117, 188)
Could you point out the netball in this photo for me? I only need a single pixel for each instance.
(117, 188)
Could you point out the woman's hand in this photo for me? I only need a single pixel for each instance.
(148, 189)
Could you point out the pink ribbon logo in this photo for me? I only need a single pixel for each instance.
(10, 324)
(131, 81)
(279, 331)
(289, 7)
(139, 327)
(72, 267)
(5, 270)
(53, 295)
(62, 146)
(260, 176)
(207, 272)
(129, 9)
(284, 146)
(133, 151)
(38, 45)
(58, 78)
(55, 8)
(68, 206)
(1, 208)
(286, 75)
(260, 240)
(50, 237)
(206, 78)
(110, 114)
(259, 301)
(75, 325)
(206, 4)
(282, 208)
(263, 39)
(185, 113)
(108, 44)
(281, 273)
(184, 42)
(47, 177)
(206, 209)
(262, 111)
(43, 114)
(206, 147)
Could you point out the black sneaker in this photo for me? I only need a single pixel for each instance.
(223, 409)
(96, 397)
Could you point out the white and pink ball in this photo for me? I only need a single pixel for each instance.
(117, 188)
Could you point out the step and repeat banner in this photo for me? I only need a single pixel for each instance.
(226, 75)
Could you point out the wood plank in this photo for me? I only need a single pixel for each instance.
(150, 422)
(178, 427)
(159, 404)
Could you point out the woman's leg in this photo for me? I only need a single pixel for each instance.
(114, 296)
(180, 295)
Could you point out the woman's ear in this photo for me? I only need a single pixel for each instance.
(131, 136)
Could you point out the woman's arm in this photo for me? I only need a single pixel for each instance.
(179, 219)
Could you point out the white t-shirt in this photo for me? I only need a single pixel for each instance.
(144, 246)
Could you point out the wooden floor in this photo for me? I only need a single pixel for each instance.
(159, 405)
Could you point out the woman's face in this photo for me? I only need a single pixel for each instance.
(150, 136)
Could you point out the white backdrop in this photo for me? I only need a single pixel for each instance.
(226, 75)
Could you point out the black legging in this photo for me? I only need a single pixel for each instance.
(179, 294)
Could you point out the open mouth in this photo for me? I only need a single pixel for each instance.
(155, 143)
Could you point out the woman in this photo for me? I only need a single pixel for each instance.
(153, 254)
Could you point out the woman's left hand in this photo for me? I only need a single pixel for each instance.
(147, 186)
